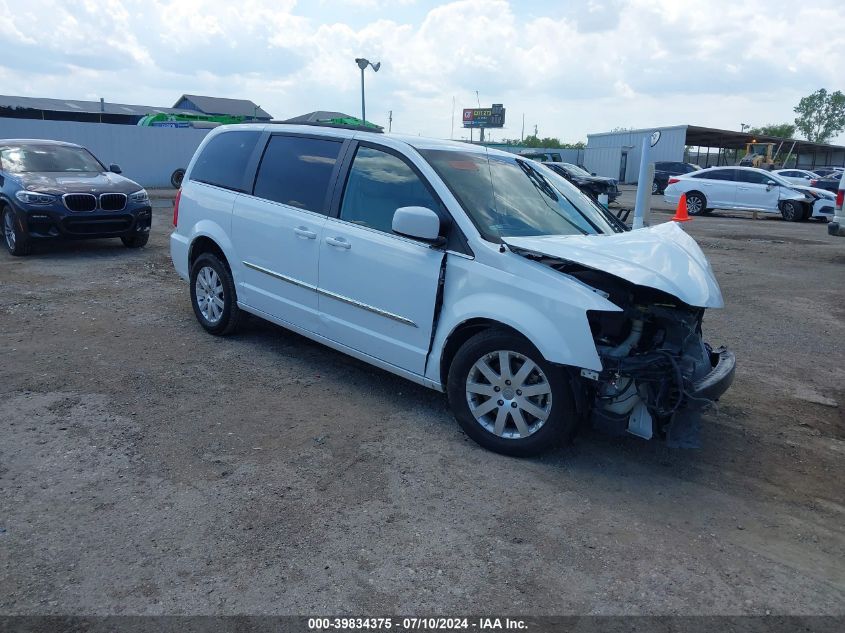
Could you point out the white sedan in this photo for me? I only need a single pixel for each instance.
(739, 188)
(798, 176)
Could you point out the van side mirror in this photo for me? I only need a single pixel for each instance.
(417, 222)
(770, 184)
(115, 168)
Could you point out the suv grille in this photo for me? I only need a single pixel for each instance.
(112, 201)
(80, 201)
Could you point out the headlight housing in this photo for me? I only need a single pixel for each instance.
(34, 197)
(139, 197)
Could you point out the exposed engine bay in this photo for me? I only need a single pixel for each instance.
(658, 373)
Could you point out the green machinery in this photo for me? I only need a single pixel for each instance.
(187, 120)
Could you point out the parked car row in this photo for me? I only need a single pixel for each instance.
(54, 190)
(748, 188)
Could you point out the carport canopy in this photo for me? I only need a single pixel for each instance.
(731, 139)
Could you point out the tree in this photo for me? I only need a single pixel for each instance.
(821, 115)
(533, 141)
(781, 130)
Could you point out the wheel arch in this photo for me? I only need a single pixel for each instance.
(208, 237)
(464, 331)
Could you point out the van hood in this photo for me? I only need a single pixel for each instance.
(663, 257)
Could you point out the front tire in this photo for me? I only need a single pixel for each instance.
(791, 211)
(16, 242)
(213, 296)
(507, 397)
(696, 203)
(138, 240)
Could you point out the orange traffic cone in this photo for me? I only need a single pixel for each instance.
(681, 214)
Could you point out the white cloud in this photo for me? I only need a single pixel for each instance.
(572, 68)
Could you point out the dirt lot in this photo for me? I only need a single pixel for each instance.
(147, 467)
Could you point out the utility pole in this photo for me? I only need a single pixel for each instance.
(390, 121)
(452, 134)
(535, 129)
(522, 134)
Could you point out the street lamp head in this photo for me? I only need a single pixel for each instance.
(363, 63)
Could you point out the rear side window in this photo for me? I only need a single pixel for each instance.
(224, 159)
(716, 174)
(378, 184)
(297, 171)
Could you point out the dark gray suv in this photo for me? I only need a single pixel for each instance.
(56, 190)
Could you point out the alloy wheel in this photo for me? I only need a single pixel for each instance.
(209, 291)
(694, 205)
(9, 229)
(508, 394)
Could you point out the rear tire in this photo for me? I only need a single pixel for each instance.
(792, 211)
(16, 242)
(213, 296)
(696, 203)
(138, 240)
(503, 411)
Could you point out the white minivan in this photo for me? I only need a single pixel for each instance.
(740, 188)
(464, 269)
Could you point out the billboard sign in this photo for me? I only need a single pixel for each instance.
(494, 116)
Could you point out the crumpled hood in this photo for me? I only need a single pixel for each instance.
(663, 257)
(77, 182)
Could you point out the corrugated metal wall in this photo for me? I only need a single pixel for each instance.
(604, 151)
(147, 155)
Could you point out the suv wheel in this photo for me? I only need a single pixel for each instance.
(16, 242)
(213, 296)
(507, 397)
(136, 241)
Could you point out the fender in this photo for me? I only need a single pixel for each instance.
(215, 232)
(552, 315)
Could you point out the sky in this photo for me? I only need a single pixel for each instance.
(571, 68)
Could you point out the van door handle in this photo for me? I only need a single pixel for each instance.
(301, 231)
(339, 242)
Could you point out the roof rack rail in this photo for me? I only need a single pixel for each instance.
(345, 126)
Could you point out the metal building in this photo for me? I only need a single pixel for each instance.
(222, 105)
(617, 154)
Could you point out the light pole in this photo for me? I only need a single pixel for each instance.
(362, 64)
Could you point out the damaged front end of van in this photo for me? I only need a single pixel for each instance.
(657, 371)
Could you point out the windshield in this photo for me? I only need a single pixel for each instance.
(57, 158)
(510, 197)
(575, 170)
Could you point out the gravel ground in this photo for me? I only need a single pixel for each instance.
(150, 468)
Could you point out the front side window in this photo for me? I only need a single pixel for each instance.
(224, 159)
(48, 158)
(754, 177)
(378, 184)
(297, 171)
(511, 197)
